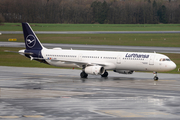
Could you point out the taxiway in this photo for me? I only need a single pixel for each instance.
(99, 47)
(60, 94)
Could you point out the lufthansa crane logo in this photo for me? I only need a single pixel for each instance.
(30, 41)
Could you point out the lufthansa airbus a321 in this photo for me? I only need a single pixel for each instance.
(94, 62)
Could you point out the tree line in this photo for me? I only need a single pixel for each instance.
(91, 11)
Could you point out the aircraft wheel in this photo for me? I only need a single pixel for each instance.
(105, 74)
(156, 78)
(83, 75)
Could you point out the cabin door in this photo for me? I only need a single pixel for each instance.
(118, 59)
(151, 61)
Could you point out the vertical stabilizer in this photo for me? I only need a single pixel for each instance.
(30, 38)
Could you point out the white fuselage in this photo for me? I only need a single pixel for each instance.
(94, 62)
(110, 60)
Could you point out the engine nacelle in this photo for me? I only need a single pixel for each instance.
(124, 71)
(95, 70)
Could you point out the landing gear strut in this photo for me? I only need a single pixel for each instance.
(155, 76)
(83, 74)
(105, 74)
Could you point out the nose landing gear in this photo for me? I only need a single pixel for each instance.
(155, 76)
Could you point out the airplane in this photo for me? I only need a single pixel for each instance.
(92, 61)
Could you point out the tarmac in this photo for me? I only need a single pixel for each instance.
(60, 94)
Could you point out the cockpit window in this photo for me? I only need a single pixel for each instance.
(168, 60)
(164, 59)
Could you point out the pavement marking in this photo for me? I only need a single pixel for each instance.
(9, 117)
(135, 114)
(33, 116)
(41, 74)
(32, 74)
(60, 75)
(153, 113)
(121, 113)
(27, 116)
(37, 93)
(160, 85)
(168, 80)
(5, 79)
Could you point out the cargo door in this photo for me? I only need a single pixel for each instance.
(151, 61)
(80, 57)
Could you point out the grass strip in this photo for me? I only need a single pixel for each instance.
(158, 40)
(92, 27)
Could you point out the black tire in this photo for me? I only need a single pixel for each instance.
(105, 74)
(156, 78)
(83, 75)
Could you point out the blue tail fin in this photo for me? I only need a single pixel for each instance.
(30, 38)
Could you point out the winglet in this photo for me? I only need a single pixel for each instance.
(30, 38)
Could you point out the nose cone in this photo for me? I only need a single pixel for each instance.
(172, 66)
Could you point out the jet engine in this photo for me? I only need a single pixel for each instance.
(95, 70)
(124, 71)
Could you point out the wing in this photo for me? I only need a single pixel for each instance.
(79, 64)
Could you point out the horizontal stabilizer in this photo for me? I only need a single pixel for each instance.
(25, 53)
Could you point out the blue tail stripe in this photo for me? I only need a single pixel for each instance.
(30, 38)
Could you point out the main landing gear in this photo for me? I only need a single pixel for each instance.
(105, 74)
(155, 76)
(83, 74)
